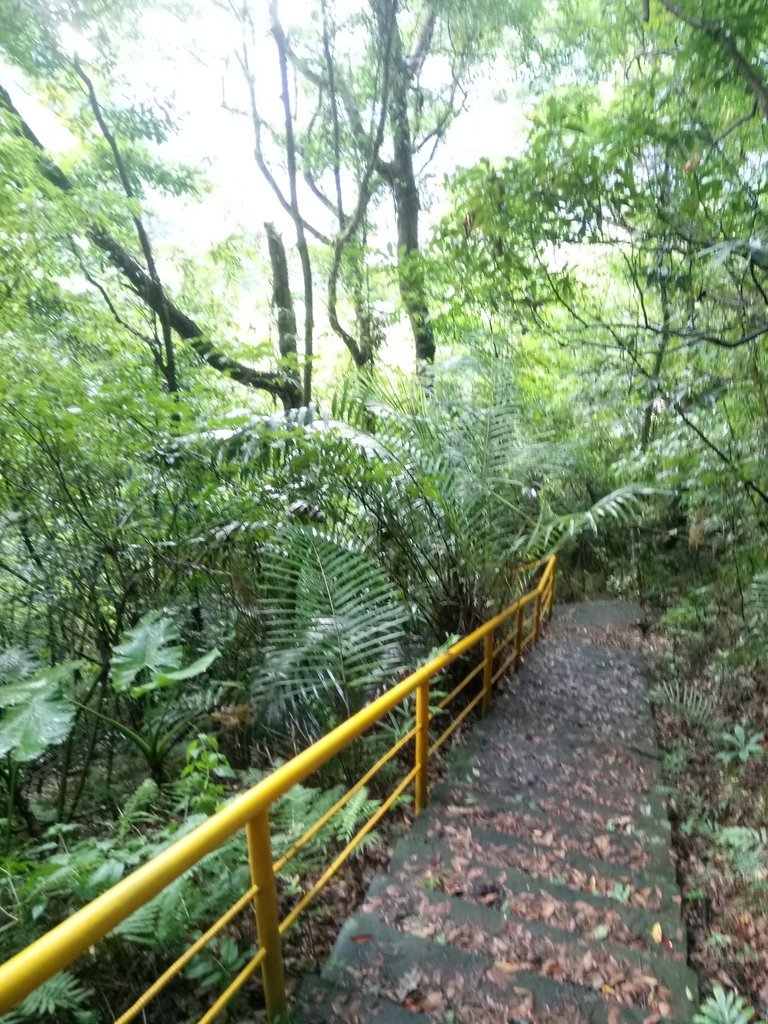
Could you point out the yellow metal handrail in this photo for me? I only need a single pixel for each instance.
(63, 944)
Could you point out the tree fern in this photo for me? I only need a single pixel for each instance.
(551, 531)
(333, 622)
(296, 812)
(62, 993)
(464, 500)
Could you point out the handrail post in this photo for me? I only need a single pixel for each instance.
(519, 636)
(265, 906)
(552, 585)
(422, 744)
(537, 617)
(487, 672)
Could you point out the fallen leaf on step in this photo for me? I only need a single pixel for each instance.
(548, 907)
(603, 843)
(506, 966)
(657, 933)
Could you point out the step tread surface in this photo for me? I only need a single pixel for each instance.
(540, 884)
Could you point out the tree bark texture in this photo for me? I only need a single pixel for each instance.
(400, 176)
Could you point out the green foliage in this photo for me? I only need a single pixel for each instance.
(724, 1008)
(460, 496)
(745, 850)
(220, 962)
(334, 626)
(302, 806)
(140, 808)
(599, 303)
(621, 892)
(204, 768)
(147, 651)
(739, 747)
(61, 997)
(35, 716)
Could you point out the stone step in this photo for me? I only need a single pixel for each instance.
(527, 898)
(320, 1001)
(539, 885)
(631, 976)
(606, 808)
(588, 728)
(633, 851)
(537, 762)
(599, 614)
(563, 740)
(446, 983)
(620, 740)
(553, 863)
(554, 786)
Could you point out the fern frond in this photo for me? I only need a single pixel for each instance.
(620, 505)
(690, 701)
(16, 664)
(758, 594)
(334, 624)
(138, 807)
(161, 922)
(62, 992)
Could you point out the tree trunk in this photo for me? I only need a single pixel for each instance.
(658, 361)
(282, 299)
(401, 178)
(410, 272)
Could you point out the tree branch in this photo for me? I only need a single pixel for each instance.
(724, 41)
(258, 150)
(168, 364)
(301, 241)
(277, 384)
(414, 62)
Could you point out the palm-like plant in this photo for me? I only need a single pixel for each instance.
(463, 504)
(334, 630)
(424, 505)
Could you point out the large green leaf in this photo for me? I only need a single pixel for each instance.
(35, 717)
(147, 651)
(23, 691)
(149, 647)
(195, 669)
(26, 731)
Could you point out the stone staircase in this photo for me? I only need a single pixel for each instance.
(540, 883)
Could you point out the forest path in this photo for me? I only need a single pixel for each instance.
(539, 885)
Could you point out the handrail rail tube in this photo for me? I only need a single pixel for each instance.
(63, 944)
